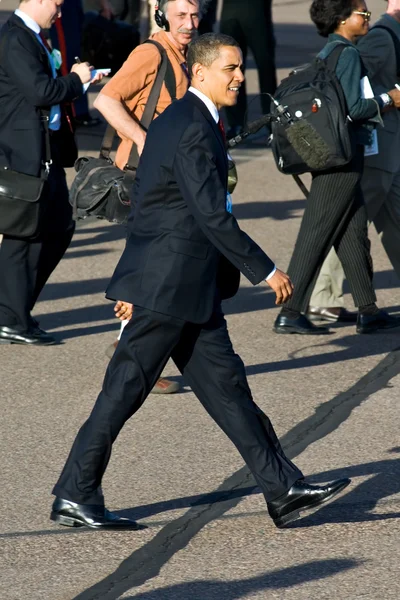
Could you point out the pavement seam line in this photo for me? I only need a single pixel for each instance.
(327, 417)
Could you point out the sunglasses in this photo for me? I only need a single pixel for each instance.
(364, 13)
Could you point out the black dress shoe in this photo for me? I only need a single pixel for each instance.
(380, 320)
(301, 324)
(302, 496)
(71, 514)
(334, 314)
(34, 336)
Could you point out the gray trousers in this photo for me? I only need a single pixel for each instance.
(382, 199)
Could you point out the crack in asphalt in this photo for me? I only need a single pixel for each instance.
(146, 563)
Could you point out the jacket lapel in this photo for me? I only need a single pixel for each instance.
(204, 110)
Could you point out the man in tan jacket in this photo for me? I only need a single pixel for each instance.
(122, 101)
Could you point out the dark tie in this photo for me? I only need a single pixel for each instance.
(45, 42)
(222, 129)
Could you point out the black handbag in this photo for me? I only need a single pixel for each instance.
(101, 189)
(23, 197)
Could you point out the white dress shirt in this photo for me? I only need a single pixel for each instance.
(55, 111)
(215, 115)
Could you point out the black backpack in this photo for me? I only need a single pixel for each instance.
(318, 125)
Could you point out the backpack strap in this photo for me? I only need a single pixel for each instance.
(333, 57)
(165, 72)
(396, 43)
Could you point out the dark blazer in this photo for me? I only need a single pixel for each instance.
(184, 250)
(27, 84)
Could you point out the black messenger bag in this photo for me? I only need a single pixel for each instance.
(23, 197)
(101, 189)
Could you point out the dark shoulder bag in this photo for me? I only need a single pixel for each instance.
(100, 188)
(23, 197)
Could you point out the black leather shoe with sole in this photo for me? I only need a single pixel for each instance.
(72, 514)
(301, 325)
(379, 321)
(300, 497)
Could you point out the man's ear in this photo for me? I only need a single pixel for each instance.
(198, 71)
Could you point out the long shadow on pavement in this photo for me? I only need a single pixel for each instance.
(238, 588)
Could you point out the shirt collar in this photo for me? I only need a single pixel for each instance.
(29, 22)
(209, 103)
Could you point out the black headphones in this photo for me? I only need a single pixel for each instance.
(160, 18)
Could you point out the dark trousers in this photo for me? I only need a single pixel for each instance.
(71, 24)
(26, 265)
(335, 215)
(204, 355)
(208, 18)
(250, 24)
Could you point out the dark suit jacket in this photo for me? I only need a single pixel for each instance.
(27, 84)
(184, 250)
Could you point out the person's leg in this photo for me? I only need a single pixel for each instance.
(353, 249)
(58, 231)
(327, 208)
(328, 289)
(236, 115)
(382, 198)
(217, 376)
(258, 28)
(141, 354)
(208, 19)
(15, 283)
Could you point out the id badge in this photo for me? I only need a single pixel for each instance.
(228, 202)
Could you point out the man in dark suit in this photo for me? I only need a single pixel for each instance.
(28, 85)
(183, 255)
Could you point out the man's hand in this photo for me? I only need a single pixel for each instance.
(395, 96)
(282, 286)
(123, 310)
(83, 70)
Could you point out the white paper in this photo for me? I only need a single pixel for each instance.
(93, 75)
(366, 89)
(368, 92)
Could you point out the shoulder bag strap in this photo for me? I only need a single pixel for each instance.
(45, 117)
(149, 110)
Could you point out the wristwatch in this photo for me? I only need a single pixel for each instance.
(387, 100)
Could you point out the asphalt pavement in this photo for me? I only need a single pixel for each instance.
(333, 400)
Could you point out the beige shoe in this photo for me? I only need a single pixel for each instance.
(163, 386)
(111, 349)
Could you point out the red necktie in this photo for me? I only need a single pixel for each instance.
(222, 129)
(45, 42)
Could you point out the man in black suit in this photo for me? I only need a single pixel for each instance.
(28, 84)
(183, 255)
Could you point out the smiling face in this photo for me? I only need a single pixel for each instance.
(183, 18)
(356, 24)
(221, 80)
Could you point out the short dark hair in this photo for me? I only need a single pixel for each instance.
(327, 14)
(205, 49)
